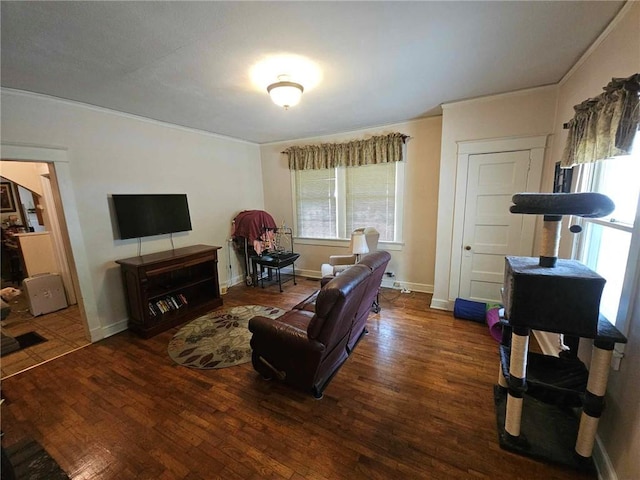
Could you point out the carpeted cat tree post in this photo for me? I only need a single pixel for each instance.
(561, 296)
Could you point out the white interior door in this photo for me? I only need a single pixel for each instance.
(490, 231)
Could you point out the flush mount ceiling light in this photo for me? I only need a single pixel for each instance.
(284, 92)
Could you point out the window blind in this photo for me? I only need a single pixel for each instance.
(332, 202)
(316, 203)
(370, 198)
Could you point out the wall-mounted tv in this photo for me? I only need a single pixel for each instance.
(144, 215)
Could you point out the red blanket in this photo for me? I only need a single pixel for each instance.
(256, 226)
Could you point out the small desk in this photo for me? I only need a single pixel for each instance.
(275, 261)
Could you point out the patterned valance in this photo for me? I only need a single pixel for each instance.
(371, 151)
(604, 126)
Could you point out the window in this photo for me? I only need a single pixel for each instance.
(604, 244)
(331, 203)
(316, 203)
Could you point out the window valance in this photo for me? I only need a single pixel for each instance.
(604, 126)
(371, 151)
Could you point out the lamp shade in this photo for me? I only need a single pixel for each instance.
(359, 244)
(285, 94)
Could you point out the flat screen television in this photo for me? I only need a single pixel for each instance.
(144, 215)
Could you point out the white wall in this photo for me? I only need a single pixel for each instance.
(616, 55)
(414, 262)
(108, 153)
(524, 113)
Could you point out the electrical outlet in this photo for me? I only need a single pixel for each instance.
(396, 284)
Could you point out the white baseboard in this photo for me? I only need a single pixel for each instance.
(603, 462)
(441, 304)
(387, 282)
(112, 329)
(235, 280)
(309, 273)
(400, 285)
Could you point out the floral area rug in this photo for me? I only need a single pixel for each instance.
(218, 339)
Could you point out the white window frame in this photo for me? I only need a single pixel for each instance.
(631, 281)
(343, 235)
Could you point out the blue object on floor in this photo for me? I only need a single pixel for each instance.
(469, 310)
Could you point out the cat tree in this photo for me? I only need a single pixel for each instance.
(537, 396)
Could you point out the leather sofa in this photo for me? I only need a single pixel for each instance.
(307, 345)
(377, 263)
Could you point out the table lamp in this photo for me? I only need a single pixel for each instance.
(359, 245)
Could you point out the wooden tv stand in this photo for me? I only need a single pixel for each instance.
(166, 289)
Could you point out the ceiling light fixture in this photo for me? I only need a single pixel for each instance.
(284, 92)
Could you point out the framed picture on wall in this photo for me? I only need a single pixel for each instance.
(7, 201)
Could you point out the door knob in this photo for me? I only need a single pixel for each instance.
(467, 247)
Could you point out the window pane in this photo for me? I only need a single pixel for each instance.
(370, 198)
(606, 252)
(618, 178)
(316, 203)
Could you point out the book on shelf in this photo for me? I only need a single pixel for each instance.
(167, 304)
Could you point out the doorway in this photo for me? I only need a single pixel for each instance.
(64, 330)
(490, 172)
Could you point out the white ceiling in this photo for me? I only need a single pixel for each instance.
(189, 63)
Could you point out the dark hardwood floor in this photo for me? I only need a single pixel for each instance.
(414, 400)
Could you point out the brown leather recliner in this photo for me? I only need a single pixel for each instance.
(377, 262)
(303, 348)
